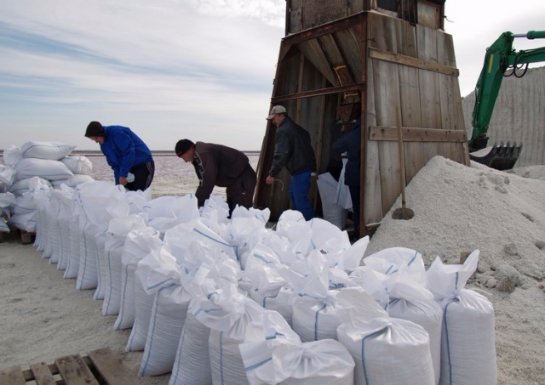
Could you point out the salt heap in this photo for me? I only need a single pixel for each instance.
(459, 209)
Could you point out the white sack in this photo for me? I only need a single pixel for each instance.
(75, 235)
(102, 266)
(167, 320)
(245, 323)
(88, 272)
(310, 363)
(12, 155)
(6, 200)
(387, 351)
(46, 150)
(47, 169)
(468, 346)
(24, 204)
(412, 302)
(225, 360)
(342, 195)
(154, 272)
(65, 201)
(192, 363)
(73, 181)
(7, 176)
(138, 243)
(294, 227)
(116, 235)
(166, 212)
(395, 259)
(28, 184)
(332, 211)
(143, 303)
(4, 228)
(78, 164)
(316, 318)
(25, 222)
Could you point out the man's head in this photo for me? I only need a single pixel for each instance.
(278, 114)
(185, 149)
(95, 132)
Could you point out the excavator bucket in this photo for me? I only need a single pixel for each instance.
(500, 157)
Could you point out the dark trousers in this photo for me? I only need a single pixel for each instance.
(242, 191)
(299, 191)
(355, 195)
(143, 175)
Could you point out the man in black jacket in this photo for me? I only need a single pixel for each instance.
(294, 151)
(350, 142)
(218, 165)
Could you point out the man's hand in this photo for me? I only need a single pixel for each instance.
(269, 180)
(123, 180)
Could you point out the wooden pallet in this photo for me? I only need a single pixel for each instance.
(100, 367)
(26, 237)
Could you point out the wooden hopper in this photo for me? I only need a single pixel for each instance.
(389, 61)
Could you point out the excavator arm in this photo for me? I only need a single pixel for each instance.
(500, 61)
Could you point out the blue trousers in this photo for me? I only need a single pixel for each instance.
(299, 190)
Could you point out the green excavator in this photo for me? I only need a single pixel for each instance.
(500, 61)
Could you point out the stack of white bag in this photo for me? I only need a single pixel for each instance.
(49, 161)
(221, 314)
(218, 300)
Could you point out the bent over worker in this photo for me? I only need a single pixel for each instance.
(126, 154)
(218, 165)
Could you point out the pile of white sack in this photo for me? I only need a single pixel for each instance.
(214, 299)
(32, 167)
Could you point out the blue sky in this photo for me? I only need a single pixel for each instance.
(169, 69)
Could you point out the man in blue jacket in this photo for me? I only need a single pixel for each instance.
(126, 154)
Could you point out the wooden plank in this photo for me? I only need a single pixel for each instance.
(429, 87)
(417, 134)
(413, 62)
(371, 192)
(318, 92)
(387, 108)
(74, 371)
(332, 50)
(325, 29)
(12, 376)
(351, 43)
(451, 99)
(313, 52)
(411, 109)
(319, 12)
(111, 368)
(294, 8)
(42, 374)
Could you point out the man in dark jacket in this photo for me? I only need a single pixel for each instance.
(126, 154)
(294, 151)
(350, 142)
(218, 165)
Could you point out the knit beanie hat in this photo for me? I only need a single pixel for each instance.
(182, 146)
(94, 129)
